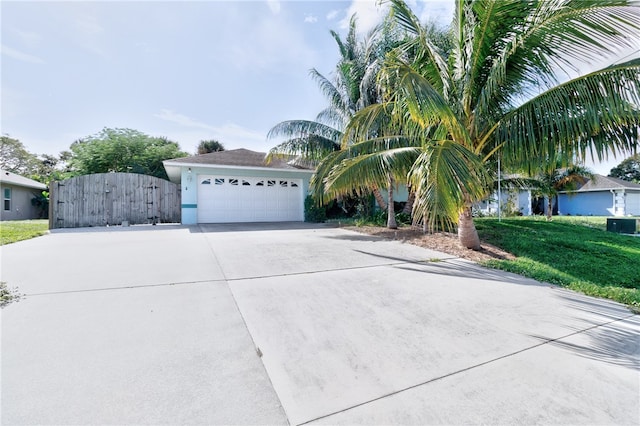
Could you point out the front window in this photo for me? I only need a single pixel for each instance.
(7, 199)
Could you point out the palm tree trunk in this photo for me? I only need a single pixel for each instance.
(379, 198)
(391, 214)
(467, 232)
(408, 208)
(549, 207)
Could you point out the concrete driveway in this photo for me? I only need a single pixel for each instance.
(296, 324)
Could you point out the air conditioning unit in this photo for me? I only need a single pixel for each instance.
(622, 225)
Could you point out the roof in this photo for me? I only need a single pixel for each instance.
(17, 180)
(606, 183)
(236, 157)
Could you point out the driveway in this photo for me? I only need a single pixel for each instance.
(299, 324)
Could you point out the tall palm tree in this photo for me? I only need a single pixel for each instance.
(352, 88)
(313, 140)
(497, 93)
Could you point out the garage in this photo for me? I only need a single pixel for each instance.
(239, 186)
(224, 199)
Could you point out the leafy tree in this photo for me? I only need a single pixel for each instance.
(15, 158)
(205, 147)
(628, 169)
(122, 150)
(497, 93)
(50, 167)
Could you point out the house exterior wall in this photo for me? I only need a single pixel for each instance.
(400, 194)
(21, 207)
(524, 203)
(189, 182)
(518, 200)
(597, 203)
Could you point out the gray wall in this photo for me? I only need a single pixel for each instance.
(21, 208)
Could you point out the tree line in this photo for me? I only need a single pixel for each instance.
(110, 150)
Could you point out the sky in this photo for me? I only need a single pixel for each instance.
(185, 70)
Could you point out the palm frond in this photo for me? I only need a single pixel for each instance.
(596, 113)
(446, 177)
(302, 128)
(310, 149)
(360, 173)
(330, 91)
(555, 35)
(425, 104)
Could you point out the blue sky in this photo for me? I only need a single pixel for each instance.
(225, 70)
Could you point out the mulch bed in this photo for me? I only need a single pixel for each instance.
(442, 241)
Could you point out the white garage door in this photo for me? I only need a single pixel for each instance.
(224, 199)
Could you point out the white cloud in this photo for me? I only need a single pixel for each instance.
(231, 135)
(274, 5)
(28, 38)
(437, 11)
(271, 43)
(332, 14)
(88, 25)
(21, 56)
(311, 19)
(183, 120)
(369, 14)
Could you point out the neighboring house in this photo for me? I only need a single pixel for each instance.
(238, 186)
(17, 192)
(602, 196)
(511, 201)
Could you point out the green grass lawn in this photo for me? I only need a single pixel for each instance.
(574, 252)
(12, 231)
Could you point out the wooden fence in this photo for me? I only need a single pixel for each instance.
(111, 199)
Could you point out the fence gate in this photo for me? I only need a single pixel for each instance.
(112, 198)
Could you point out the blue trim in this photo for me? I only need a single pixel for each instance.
(189, 206)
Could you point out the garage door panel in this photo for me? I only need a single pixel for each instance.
(224, 199)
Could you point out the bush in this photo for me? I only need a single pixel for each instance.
(313, 212)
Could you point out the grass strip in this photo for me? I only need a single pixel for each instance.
(573, 253)
(12, 231)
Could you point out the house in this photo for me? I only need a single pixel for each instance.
(17, 192)
(239, 186)
(602, 196)
(512, 201)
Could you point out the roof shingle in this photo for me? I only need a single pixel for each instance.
(14, 179)
(605, 183)
(236, 157)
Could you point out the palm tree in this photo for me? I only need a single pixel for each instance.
(558, 175)
(352, 88)
(497, 92)
(208, 146)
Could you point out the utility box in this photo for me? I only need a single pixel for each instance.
(622, 225)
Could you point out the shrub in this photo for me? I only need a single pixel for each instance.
(313, 212)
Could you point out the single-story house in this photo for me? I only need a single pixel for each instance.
(521, 201)
(239, 186)
(17, 192)
(602, 196)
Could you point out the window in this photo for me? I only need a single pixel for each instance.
(294, 185)
(233, 182)
(261, 183)
(284, 183)
(271, 183)
(206, 182)
(7, 199)
(219, 181)
(245, 183)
